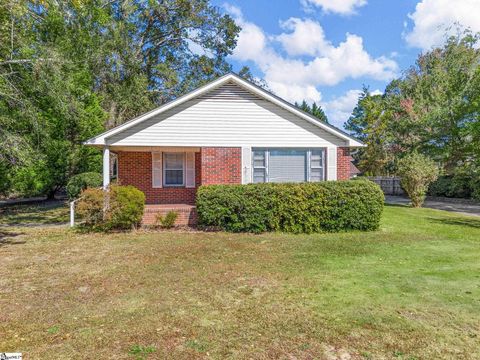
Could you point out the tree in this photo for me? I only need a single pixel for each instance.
(70, 69)
(369, 122)
(314, 109)
(437, 102)
(434, 109)
(417, 173)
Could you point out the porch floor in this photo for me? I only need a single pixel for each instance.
(187, 214)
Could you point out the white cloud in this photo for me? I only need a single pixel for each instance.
(342, 7)
(306, 37)
(432, 19)
(339, 109)
(309, 60)
(309, 93)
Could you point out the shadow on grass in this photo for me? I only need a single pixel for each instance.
(458, 221)
(403, 206)
(46, 213)
(6, 238)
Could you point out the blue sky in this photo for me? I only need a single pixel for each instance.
(326, 50)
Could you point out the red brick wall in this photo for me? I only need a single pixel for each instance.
(186, 215)
(221, 165)
(343, 163)
(135, 168)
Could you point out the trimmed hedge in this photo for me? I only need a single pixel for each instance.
(292, 208)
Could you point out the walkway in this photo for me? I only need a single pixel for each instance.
(454, 205)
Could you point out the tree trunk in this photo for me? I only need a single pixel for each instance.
(51, 193)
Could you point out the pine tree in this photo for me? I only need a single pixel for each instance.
(314, 109)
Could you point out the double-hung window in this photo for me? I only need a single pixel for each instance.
(174, 169)
(288, 165)
(317, 165)
(259, 166)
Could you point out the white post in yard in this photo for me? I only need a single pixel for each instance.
(106, 167)
(72, 213)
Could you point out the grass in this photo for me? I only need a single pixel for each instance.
(44, 213)
(408, 291)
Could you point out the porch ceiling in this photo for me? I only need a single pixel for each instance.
(155, 148)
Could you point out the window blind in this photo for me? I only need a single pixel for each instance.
(287, 166)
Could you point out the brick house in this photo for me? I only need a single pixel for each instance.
(229, 131)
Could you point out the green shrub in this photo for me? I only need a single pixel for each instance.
(293, 208)
(90, 207)
(168, 221)
(441, 187)
(126, 205)
(464, 183)
(461, 184)
(475, 186)
(417, 172)
(119, 208)
(80, 182)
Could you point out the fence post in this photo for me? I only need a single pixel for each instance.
(72, 213)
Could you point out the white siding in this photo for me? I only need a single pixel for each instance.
(226, 116)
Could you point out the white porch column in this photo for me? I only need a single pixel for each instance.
(106, 167)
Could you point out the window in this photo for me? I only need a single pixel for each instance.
(259, 166)
(288, 165)
(317, 165)
(173, 169)
(114, 167)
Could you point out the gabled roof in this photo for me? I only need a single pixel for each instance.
(231, 77)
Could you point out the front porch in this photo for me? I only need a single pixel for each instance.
(172, 175)
(187, 214)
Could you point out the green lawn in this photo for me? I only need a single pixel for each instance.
(408, 291)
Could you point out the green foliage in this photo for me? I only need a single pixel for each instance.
(5, 184)
(168, 221)
(441, 187)
(53, 330)
(417, 172)
(432, 109)
(293, 208)
(28, 180)
(464, 183)
(70, 69)
(369, 121)
(80, 182)
(91, 206)
(475, 185)
(314, 109)
(141, 352)
(125, 209)
(121, 207)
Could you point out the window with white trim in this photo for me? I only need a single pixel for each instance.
(174, 169)
(259, 159)
(288, 165)
(317, 165)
